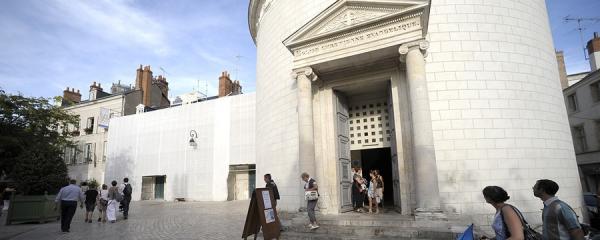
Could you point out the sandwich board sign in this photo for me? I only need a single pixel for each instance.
(262, 213)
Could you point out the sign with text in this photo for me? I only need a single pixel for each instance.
(262, 213)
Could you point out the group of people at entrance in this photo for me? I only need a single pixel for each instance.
(371, 190)
(559, 220)
(107, 201)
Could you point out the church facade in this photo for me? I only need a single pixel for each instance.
(442, 97)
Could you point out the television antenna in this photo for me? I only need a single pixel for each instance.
(581, 28)
(163, 71)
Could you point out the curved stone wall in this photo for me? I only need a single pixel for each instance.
(497, 108)
(498, 112)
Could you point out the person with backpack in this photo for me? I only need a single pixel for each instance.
(559, 219)
(126, 197)
(507, 221)
(114, 196)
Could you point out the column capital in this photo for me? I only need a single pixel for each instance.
(306, 72)
(422, 45)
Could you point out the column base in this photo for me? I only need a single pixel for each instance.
(429, 214)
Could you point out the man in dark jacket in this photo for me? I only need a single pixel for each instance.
(271, 185)
(126, 197)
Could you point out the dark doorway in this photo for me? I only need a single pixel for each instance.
(380, 159)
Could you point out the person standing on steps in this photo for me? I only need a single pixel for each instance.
(357, 193)
(126, 197)
(379, 188)
(68, 197)
(311, 190)
(372, 193)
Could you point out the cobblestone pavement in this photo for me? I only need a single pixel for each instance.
(147, 220)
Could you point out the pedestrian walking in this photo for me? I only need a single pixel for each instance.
(507, 221)
(558, 218)
(67, 198)
(126, 197)
(357, 193)
(113, 202)
(372, 193)
(311, 193)
(91, 196)
(102, 203)
(270, 184)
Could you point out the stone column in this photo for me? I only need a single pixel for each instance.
(306, 147)
(427, 191)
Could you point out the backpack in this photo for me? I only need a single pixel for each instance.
(127, 190)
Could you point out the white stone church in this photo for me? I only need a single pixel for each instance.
(443, 97)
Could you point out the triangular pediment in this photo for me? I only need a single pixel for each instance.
(346, 15)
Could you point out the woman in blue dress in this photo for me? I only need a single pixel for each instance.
(507, 221)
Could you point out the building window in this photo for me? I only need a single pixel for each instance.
(572, 102)
(579, 139)
(87, 153)
(595, 89)
(89, 127)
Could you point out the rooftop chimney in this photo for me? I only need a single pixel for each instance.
(593, 47)
(70, 96)
(562, 69)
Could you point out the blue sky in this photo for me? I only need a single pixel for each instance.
(46, 46)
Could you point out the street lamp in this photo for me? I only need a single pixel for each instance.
(193, 135)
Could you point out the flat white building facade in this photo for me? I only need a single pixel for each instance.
(470, 90)
(185, 152)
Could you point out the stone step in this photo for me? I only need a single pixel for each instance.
(323, 236)
(375, 231)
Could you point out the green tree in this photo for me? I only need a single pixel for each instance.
(33, 137)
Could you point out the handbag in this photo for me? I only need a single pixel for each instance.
(528, 232)
(311, 195)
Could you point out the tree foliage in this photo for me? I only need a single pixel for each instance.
(33, 137)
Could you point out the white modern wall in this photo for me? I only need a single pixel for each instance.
(157, 143)
(498, 112)
(276, 115)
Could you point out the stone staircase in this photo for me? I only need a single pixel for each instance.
(354, 226)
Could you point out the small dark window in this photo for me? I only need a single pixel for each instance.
(371, 105)
(366, 134)
(351, 135)
(372, 125)
(380, 132)
(357, 114)
(379, 104)
(351, 142)
(358, 141)
(388, 139)
(358, 134)
(372, 112)
(384, 103)
(357, 127)
(373, 140)
(386, 117)
(351, 128)
(350, 115)
(379, 118)
(381, 139)
(378, 111)
(364, 113)
(350, 121)
(379, 125)
(366, 127)
(364, 106)
(366, 140)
